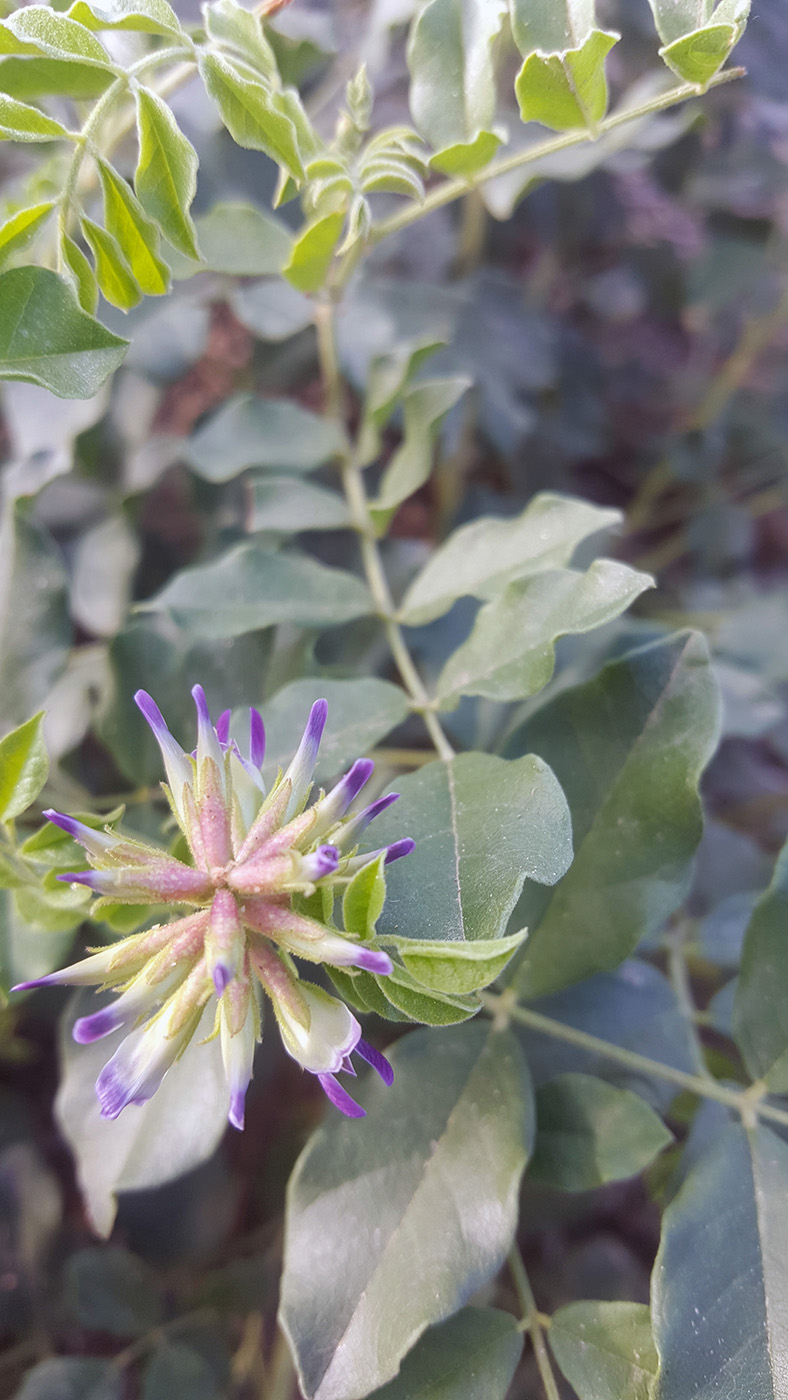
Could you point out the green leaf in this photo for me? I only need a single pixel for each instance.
(431, 1006)
(33, 76)
(19, 122)
(510, 653)
(481, 558)
(675, 18)
(38, 29)
(160, 1140)
(20, 230)
(387, 383)
(166, 175)
(482, 826)
(552, 25)
(628, 748)
(28, 950)
(458, 967)
(24, 766)
(178, 1372)
(312, 252)
(439, 1156)
(46, 338)
(761, 1008)
(35, 632)
(136, 234)
(116, 280)
(605, 1350)
(238, 239)
(286, 504)
(425, 406)
(364, 898)
(473, 1356)
(145, 16)
(719, 1287)
(250, 587)
(467, 158)
(590, 1132)
(566, 90)
(450, 56)
(360, 713)
(697, 57)
(80, 274)
(241, 31)
(252, 432)
(111, 1291)
(255, 116)
(72, 1378)
(272, 310)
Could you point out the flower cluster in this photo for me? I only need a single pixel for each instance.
(252, 852)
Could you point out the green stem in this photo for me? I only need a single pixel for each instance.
(356, 497)
(453, 189)
(532, 1322)
(747, 1102)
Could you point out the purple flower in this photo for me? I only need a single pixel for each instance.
(252, 853)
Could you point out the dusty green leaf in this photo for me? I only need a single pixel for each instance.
(35, 632)
(240, 240)
(454, 966)
(312, 252)
(46, 338)
(110, 1290)
(288, 504)
(20, 230)
(761, 1006)
(145, 16)
(605, 1350)
(80, 274)
(590, 1132)
(361, 712)
(250, 587)
(20, 122)
(255, 115)
(425, 406)
(566, 90)
(629, 748)
(38, 29)
(481, 558)
(450, 56)
(439, 1155)
(473, 1356)
(510, 654)
(467, 158)
(252, 432)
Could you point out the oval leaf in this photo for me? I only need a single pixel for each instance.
(24, 765)
(46, 338)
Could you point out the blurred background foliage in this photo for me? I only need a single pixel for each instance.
(624, 326)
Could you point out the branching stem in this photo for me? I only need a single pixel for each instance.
(356, 497)
(532, 1322)
(748, 1103)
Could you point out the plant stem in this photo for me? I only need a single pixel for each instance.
(532, 1321)
(356, 497)
(747, 1102)
(453, 189)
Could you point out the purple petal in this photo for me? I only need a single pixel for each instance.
(222, 727)
(201, 704)
(339, 1097)
(347, 1065)
(315, 725)
(222, 977)
(95, 1027)
(398, 849)
(152, 714)
(350, 786)
(256, 738)
(237, 1110)
(378, 1061)
(49, 981)
(375, 808)
(67, 824)
(321, 862)
(114, 1092)
(94, 879)
(371, 960)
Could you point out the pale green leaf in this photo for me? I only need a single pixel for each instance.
(628, 748)
(551, 26)
(473, 1356)
(590, 1132)
(272, 310)
(481, 558)
(38, 29)
(360, 713)
(439, 1156)
(719, 1288)
(605, 1350)
(178, 1372)
(20, 122)
(510, 654)
(288, 504)
(425, 406)
(698, 56)
(241, 31)
(145, 16)
(252, 432)
(80, 274)
(72, 1378)
(150, 1143)
(312, 253)
(20, 230)
(24, 765)
(676, 18)
(240, 240)
(255, 116)
(450, 56)
(761, 1006)
(115, 278)
(32, 75)
(46, 338)
(110, 1290)
(467, 158)
(166, 175)
(250, 587)
(34, 628)
(482, 826)
(566, 90)
(455, 966)
(136, 235)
